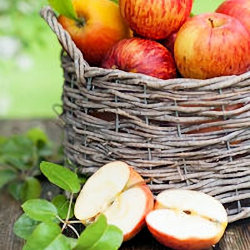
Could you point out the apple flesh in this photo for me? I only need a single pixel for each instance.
(155, 19)
(100, 28)
(211, 45)
(141, 56)
(239, 9)
(185, 219)
(119, 192)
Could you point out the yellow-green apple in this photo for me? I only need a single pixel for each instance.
(141, 56)
(155, 19)
(119, 192)
(210, 45)
(185, 219)
(239, 9)
(99, 28)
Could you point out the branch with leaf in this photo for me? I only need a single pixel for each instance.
(43, 223)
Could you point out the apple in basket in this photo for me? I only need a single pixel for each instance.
(185, 219)
(239, 9)
(120, 193)
(169, 42)
(139, 55)
(99, 27)
(155, 19)
(210, 45)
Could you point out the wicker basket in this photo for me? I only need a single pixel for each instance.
(179, 133)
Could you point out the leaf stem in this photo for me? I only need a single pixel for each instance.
(74, 230)
(60, 219)
(74, 222)
(68, 213)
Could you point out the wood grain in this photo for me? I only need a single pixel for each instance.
(9, 212)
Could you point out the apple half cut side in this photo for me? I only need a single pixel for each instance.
(120, 193)
(185, 219)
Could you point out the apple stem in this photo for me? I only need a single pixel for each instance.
(80, 22)
(211, 21)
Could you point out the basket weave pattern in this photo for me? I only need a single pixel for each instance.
(178, 133)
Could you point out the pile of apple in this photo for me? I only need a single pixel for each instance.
(180, 219)
(160, 38)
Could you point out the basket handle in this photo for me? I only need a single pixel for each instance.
(69, 46)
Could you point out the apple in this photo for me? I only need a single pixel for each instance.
(155, 19)
(169, 42)
(239, 9)
(141, 56)
(185, 219)
(120, 193)
(210, 45)
(100, 28)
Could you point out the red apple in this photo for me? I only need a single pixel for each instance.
(100, 28)
(239, 9)
(169, 42)
(210, 45)
(155, 19)
(185, 219)
(118, 192)
(141, 56)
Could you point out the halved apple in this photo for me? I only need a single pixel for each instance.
(185, 219)
(120, 193)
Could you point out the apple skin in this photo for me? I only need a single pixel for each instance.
(155, 19)
(103, 27)
(134, 179)
(210, 45)
(169, 42)
(239, 9)
(141, 56)
(148, 208)
(187, 244)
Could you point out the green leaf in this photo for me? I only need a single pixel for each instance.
(6, 175)
(2, 139)
(37, 136)
(111, 239)
(17, 145)
(47, 236)
(72, 242)
(40, 210)
(17, 151)
(31, 189)
(62, 205)
(61, 176)
(15, 188)
(100, 235)
(64, 7)
(24, 226)
(15, 162)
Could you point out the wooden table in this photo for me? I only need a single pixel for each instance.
(236, 237)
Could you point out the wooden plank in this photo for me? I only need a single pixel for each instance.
(9, 212)
(237, 236)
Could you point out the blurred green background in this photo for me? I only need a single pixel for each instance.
(30, 75)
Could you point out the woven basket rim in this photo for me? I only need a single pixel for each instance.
(69, 46)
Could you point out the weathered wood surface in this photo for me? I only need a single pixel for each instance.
(236, 237)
